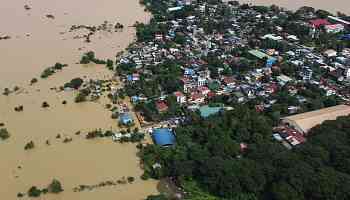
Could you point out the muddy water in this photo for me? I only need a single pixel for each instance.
(36, 43)
(332, 6)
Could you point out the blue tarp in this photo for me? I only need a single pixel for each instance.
(163, 137)
(125, 118)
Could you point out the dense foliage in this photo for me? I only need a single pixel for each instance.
(207, 159)
(4, 134)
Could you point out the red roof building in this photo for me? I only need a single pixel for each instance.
(317, 23)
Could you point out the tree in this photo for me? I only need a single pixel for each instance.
(74, 83)
(109, 64)
(55, 187)
(4, 134)
(34, 192)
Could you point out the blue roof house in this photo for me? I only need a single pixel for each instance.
(189, 71)
(163, 137)
(125, 119)
(270, 61)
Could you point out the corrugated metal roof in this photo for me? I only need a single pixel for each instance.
(306, 121)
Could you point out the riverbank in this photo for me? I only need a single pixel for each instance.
(36, 43)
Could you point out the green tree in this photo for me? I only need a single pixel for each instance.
(34, 192)
(4, 134)
(55, 187)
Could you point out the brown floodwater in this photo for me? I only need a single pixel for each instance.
(332, 6)
(36, 43)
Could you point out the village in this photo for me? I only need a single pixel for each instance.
(188, 65)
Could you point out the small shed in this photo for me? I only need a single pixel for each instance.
(163, 137)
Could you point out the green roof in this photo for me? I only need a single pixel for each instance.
(258, 54)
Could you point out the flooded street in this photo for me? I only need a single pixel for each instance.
(332, 6)
(37, 42)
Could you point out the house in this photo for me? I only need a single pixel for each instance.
(133, 77)
(180, 97)
(163, 137)
(270, 61)
(317, 23)
(161, 106)
(229, 81)
(177, 8)
(239, 97)
(203, 90)
(293, 38)
(306, 73)
(126, 119)
(334, 28)
(305, 121)
(197, 98)
(272, 37)
(330, 53)
(283, 79)
(201, 81)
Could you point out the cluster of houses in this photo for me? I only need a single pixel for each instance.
(199, 84)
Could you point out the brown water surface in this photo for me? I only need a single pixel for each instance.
(36, 43)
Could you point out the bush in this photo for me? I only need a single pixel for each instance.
(4, 134)
(131, 179)
(55, 187)
(34, 192)
(19, 195)
(81, 97)
(29, 145)
(33, 81)
(109, 64)
(74, 83)
(145, 176)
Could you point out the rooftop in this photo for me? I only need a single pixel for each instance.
(206, 111)
(163, 137)
(305, 121)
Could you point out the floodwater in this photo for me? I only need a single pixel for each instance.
(38, 42)
(331, 6)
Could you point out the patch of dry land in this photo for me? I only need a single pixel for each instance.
(332, 6)
(39, 37)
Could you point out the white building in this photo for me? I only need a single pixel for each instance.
(334, 28)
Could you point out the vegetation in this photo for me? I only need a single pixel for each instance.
(33, 81)
(55, 187)
(110, 64)
(82, 95)
(74, 83)
(207, 158)
(29, 145)
(90, 57)
(4, 134)
(34, 192)
(51, 70)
